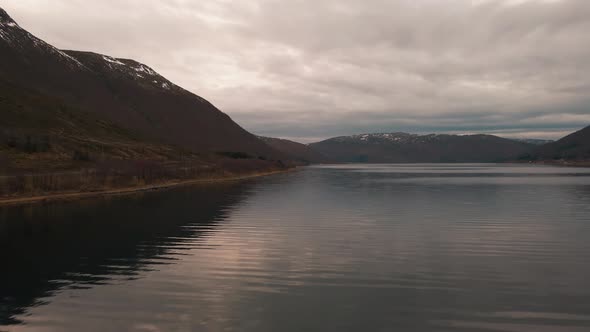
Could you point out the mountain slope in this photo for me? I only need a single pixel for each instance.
(294, 150)
(128, 93)
(409, 148)
(37, 131)
(574, 147)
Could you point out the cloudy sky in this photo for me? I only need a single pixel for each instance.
(311, 69)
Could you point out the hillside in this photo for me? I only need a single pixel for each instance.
(76, 122)
(573, 147)
(38, 132)
(294, 150)
(410, 148)
(127, 93)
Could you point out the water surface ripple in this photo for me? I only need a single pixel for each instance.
(457, 247)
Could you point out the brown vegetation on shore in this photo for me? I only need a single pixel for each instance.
(127, 177)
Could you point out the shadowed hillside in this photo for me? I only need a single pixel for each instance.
(80, 121)
(129, 94)
(573, 147)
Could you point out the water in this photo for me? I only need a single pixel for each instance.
(341, 248)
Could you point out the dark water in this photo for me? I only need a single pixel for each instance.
(349, 248)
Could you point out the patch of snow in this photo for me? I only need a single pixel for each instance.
(38, 43)
(5, 33)
(145, 69)
(67, 56)
(41, 44)
(112, 60)
(166, 86)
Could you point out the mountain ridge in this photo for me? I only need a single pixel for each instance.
(4, 17)
(407, 148)
(75, 121)
(128, 93)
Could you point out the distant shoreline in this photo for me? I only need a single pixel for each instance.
(560, 163)
(69, 196)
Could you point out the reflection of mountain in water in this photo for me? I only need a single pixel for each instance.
(46, 248)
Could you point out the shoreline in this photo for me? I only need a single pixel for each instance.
(562, 163)
(69, 196)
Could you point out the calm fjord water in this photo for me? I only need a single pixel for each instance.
(328, 248)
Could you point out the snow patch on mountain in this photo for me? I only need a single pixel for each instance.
(396, 138)
(112, 60)
(19, 38)
(21, 41)
(145, 69)
(136, 71)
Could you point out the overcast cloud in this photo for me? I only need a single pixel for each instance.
(311, 69)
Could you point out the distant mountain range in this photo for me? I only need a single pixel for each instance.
(402, 147)
(407, 148)
(433, 148)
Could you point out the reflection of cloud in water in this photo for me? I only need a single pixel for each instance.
(53, 248)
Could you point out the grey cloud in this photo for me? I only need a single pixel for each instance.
(309, 69)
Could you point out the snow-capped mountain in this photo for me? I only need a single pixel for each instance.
(399, 138)
(130, 94)
(13, 38)
(404, 147)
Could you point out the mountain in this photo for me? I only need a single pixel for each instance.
(574, 147)
(295, 151)
(75, 122)
(411, 148)
(126, 93)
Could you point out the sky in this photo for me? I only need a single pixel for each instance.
(313, 69)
